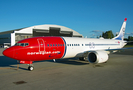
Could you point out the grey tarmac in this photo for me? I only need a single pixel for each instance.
(69, 74)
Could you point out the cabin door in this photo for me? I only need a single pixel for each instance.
(41, 45)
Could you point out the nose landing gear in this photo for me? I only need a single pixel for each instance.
(30, 68)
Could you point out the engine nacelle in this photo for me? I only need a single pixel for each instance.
(97, 57)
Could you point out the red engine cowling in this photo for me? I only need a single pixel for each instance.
(97, 57)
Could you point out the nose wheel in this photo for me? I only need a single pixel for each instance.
(30, 68)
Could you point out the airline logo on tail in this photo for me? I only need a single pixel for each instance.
(122, 31)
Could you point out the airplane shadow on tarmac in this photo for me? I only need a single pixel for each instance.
(72, 61)
(5, 61)
(8, 62)
(125, 52)
(12, 63)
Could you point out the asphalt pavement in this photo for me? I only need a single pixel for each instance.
(69, 74)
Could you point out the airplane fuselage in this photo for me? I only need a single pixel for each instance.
(47, 48)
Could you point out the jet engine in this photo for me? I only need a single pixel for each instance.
(97, 57)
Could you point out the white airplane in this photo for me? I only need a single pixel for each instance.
(47, 48)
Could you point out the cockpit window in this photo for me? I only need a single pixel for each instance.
(26, 44)
(22, 44)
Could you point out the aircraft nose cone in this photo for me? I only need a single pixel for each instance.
(9, 52)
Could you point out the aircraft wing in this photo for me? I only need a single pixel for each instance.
(118, 49)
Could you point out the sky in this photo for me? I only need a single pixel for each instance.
(88, 17)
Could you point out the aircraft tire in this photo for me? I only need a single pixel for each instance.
(30, 68)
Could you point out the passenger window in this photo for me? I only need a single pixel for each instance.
(51, 45)
(60, 44)
(82, 44)
(67, 44)
(70, 44)
(56, 45)
(48, 45)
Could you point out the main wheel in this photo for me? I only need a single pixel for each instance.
(31, 68)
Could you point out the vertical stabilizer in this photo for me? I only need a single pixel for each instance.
(120, 36)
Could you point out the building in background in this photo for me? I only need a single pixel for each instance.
(9, 38)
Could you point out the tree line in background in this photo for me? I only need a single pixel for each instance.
(109, 35)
